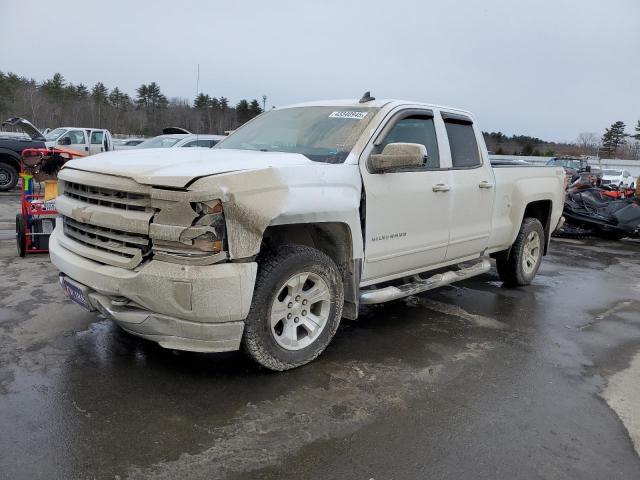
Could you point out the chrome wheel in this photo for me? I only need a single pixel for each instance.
(531, 254)
(300, 311)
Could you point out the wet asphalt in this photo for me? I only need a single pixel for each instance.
(473, 381)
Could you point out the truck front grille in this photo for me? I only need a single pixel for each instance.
(132, 247)
(104, 218)
(107, 197)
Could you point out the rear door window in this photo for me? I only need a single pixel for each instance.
(463, 144)
(96, 138)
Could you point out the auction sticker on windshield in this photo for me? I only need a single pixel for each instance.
(347, 114)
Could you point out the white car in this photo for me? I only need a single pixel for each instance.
(619, 178)
(127, 143)
(179, 140)
(292, 222)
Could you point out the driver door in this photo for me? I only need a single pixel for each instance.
(407, 210)
(75, 140)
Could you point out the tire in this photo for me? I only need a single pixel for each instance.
(289, 342)
(21, 237)
(521, 265)
(8, 177)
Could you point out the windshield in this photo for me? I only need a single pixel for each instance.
(612, 173)
(322, 134)
(159, 142)
(565, 162)
(55, 134)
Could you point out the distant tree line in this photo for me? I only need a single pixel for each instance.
(614, 143)
(56, 102)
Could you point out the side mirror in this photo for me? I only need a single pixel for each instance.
(399, 155)
(64, 141)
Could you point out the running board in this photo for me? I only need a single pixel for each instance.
(420, 284)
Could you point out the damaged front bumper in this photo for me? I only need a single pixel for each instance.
(184, 307)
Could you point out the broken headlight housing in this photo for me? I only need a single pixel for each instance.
(202, 237)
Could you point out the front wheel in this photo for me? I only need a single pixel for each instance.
(296, 309)
(8, 177)
(523, 261)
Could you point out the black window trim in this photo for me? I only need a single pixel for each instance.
(459, 119)
(395, 118)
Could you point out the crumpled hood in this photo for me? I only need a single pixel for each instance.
(176, 167)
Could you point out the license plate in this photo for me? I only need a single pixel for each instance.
(76, 293)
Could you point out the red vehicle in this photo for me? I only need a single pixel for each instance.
(37, 218)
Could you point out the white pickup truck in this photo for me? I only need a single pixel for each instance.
(84, 140)
(267, 240)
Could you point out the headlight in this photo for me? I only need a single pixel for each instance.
(205, 236)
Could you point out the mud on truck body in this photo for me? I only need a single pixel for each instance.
(292, 222)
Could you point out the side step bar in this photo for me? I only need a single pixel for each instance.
(420, 284)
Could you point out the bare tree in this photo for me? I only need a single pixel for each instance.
(588, 143)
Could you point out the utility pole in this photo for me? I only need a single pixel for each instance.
(264, 102)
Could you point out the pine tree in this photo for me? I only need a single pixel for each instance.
(82, 91)
(119, 100)
(99, 93)
(254, 108)
(613, 138)
(242, 111)
(55, 87)
(637, 129)
(202, 101)
(142, 99)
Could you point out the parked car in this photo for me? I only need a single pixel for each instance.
(181, 140)
(84, 140)
(127, 143)
(11, 147)
(577, 167)
(619, 178)
(292, 222)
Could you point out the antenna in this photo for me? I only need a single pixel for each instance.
(197, 93)
(366, 98)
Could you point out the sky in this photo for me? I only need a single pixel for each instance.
(546, 68)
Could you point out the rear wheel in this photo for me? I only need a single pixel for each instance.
(523, 261)
(8, 177)
(296, 308)
(21, 236)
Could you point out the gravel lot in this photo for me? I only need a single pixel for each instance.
(472, 381)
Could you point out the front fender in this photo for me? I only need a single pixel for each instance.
(256, 199)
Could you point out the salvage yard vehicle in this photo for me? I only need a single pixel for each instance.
(578, 167)
(83, 140)
(619, 178)
(595, 212)
(11, 148)
(179, 140)
(127, 143)
(292, 222)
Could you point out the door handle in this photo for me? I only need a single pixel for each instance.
(441, 187)
(485, 184)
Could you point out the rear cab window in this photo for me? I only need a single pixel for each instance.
(462, 141)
